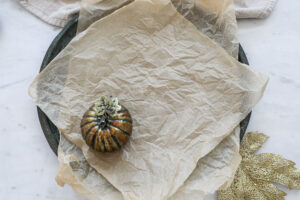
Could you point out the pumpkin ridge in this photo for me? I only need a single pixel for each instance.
(103, 143)
(115, 140)
(93, 139)
(86, 116)
(88, 132)
(121, 120)
(81, 126)
(112, 126)
(109, 144)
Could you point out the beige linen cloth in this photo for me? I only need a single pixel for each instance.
(254, 8)
(201, 92)
(59, 12)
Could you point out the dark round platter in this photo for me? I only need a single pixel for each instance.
(59, 43)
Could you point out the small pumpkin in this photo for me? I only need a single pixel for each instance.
(106, 126)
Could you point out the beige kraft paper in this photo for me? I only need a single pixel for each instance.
(180, 75)
(215, 169)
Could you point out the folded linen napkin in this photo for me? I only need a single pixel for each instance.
(59, 12)
(54, 12)
(254, 8)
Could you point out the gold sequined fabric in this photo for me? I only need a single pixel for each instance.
(256, 174)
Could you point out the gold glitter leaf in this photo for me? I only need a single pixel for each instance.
(256, 174)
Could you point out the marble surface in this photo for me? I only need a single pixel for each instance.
(28, 166)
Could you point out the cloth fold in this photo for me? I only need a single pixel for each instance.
(59, 12)
(54, 12)
(254, 8)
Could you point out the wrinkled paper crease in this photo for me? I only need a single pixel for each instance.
(186, 95)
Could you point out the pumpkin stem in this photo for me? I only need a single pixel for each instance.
(107, 105)
(103, 120)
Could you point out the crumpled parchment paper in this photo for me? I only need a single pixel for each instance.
(76, 171)
(93, 10)
(214, 18)
(214, 171)
(189, 80)
(210, 173)
(217, 167)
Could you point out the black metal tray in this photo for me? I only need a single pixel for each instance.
(59, 43)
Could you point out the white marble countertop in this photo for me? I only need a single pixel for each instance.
(28, 166)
